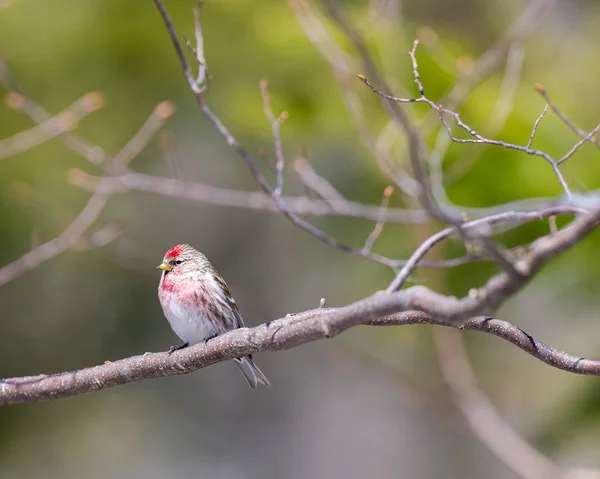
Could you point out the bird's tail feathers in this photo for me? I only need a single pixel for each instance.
(251, 373)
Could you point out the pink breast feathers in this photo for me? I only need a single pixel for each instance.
(191, 295)
(167, 283)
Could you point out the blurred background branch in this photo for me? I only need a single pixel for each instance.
(485, 421)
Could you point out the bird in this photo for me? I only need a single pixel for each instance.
(198, 305)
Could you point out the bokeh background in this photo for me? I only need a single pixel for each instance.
(370, 403)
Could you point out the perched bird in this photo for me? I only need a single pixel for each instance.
(198, 304)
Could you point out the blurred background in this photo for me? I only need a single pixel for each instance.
(370, 403)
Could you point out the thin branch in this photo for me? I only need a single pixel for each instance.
(416, 151)
(416, 148)
(260, 179)
(535, 126)
(57, 125)
(477, 138)
(507, 214)
(203, 76)
(380, 222)
(170, 156)
(300, 205)
(578, 145)
(254, 200)
(496, 121)
(572, 126)
(67, 239)
(142, 137)
(428, 244)
(315, 182)
(491, 60)
(436, 211)
(485, 421)
(92, 210)
(38, 115)
(275, 125)
(343, 66)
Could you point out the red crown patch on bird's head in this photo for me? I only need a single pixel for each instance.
(175, 251)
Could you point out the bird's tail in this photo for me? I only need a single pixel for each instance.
(253, 375)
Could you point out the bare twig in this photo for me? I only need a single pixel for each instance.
(428, 244)
(300, 205)
(578, 145)
(260, 179)
(171, 159)
(380, 222)
(535, 126)
(486, 422)
(477, 138)
(275, 125)
(495, 124)
(203, 76)
(315, 182)
(440, 213)
(67, 239)
(343, 66)
(573, 127)
(493, 58)
(426, 194)
(38, 114)
(64, 121)
(88, 215)
(416, 148)
(254, 200)
(141, 138)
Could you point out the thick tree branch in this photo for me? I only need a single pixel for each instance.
(416, 305)
(286, 333)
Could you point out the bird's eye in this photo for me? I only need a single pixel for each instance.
(178, 261)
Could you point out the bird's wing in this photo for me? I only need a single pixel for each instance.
(227, 301)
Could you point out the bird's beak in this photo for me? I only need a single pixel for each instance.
(164, 267)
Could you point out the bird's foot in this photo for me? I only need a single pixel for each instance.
(172, 349)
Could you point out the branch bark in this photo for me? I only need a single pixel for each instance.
(292, 331)
(416, 305)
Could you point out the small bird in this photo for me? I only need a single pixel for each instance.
(198, 304)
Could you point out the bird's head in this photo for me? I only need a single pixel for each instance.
(180, 256)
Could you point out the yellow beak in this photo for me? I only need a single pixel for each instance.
(164, 267)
